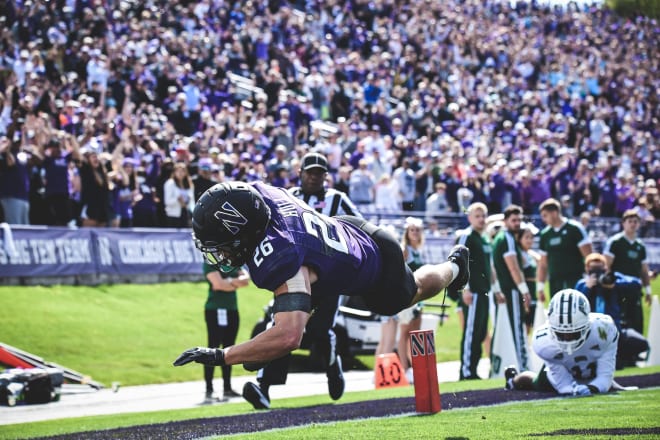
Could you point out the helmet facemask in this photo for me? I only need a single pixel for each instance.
(228, 222)
(570, 342)
(568, 316)
(225, 257)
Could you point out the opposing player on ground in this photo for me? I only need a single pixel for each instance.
(300, 254)
(578, 348)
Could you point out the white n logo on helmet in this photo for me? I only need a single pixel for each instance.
(230, 218)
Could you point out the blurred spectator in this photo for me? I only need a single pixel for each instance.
(144, 210)
(585, 220)
(405, 179)
(410, 319)
(488, 103)
(342, 184)
(361, 185)
(278, 163)
(608, 195)
(625, 192)
(95, 192)
(386, 194)
(178, 194)
(436, 204)
(14, 184)
(56, 179)
(204, 178)
(125, 192)
(645, 217)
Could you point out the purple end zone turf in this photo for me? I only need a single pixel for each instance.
(290, 417)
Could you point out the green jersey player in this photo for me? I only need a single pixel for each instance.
(563, 244)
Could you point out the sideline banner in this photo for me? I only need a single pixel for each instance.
(142, 251)
(46, 252)
(36, 251)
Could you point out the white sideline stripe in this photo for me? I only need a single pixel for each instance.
(467, 344)
(182, 395)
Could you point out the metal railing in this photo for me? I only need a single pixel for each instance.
(600, 228)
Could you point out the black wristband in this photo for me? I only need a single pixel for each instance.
(593, 389)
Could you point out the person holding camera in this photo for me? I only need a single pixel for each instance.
(607, 292)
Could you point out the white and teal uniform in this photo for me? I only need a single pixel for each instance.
(592, 364)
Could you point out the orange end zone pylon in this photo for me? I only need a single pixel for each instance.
(425, 371)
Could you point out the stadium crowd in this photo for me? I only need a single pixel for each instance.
(119, 113)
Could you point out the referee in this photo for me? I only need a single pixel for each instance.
(327, 201)
(319, 330)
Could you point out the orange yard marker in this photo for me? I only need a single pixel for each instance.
(389, 372)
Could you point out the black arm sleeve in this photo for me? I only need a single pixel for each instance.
(293, 301)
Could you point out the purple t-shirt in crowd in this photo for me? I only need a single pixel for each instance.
(607, 191)
(625, 203)
(537, 191)
(15, 180)
(56, 173)
(563, 180)
(345, 259)
(499, 187)
(123, 201)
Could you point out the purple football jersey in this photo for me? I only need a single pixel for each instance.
(343, 256)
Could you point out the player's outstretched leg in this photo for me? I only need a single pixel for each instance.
(453, 274)
(256, 396)
(460, 256)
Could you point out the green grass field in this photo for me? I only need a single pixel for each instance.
(510, 421)
(125, 333)
(633, 409)
(132, 333)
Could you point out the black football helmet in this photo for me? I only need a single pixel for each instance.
(229, 221)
